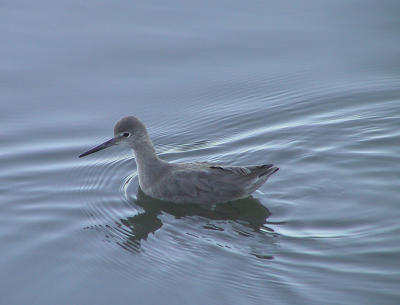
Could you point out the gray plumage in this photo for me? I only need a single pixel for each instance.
(197, 182)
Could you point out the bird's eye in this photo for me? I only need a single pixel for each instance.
(126, 134)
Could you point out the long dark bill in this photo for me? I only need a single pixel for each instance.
(100, 147)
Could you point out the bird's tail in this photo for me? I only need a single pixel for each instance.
(267, 170)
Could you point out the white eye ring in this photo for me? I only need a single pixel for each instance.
(125, 134)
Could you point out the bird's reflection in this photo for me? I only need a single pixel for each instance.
(248, 212)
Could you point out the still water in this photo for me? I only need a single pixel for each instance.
(313, 87)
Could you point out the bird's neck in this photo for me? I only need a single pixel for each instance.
(148, 164)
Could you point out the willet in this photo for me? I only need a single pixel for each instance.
(197, 182)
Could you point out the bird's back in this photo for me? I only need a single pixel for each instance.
(209, 183)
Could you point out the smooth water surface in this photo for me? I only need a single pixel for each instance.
(313, 87)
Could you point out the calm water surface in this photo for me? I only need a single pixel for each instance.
(312, 87)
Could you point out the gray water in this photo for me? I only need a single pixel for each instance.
(313, 87)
